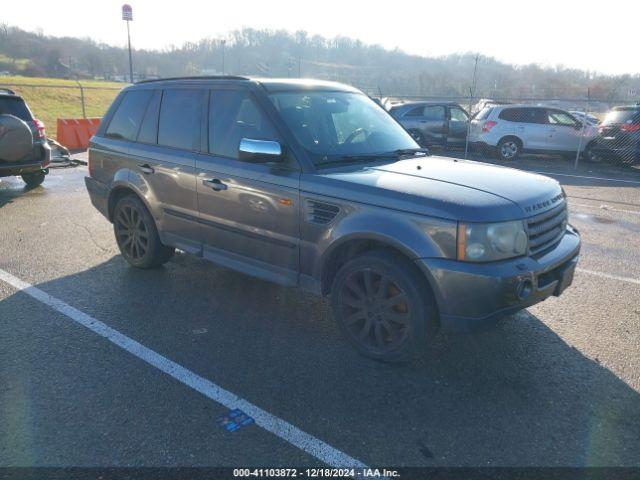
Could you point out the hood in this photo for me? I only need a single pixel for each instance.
(443, 187)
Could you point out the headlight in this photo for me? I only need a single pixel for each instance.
(487, 242)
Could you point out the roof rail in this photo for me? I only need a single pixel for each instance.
(7, 91)
(202, 77)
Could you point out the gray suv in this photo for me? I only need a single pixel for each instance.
(433, 123)
(311, 184)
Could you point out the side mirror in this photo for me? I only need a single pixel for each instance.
(259, 151)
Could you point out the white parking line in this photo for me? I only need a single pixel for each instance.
(282, 429)
(636, 182)
(609, 276)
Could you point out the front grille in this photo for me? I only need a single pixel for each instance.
(546, 229)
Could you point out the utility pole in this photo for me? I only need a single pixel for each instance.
(127, 15)
(223, 43)
(472, 94)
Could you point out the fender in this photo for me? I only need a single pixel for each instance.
(414, 235)
(132, 180)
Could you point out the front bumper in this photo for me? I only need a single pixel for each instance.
(470, 295)
(625, 151)
(99, 195)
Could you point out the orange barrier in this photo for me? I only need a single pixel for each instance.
(75, 133)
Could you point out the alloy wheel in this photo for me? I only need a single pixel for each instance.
(509, 149)
(375, 311)
(131, 232)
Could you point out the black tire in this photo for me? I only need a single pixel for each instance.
(418, 137)
(509, 149)
(588, 155)
(137, 235)
(34, 179)
(384, 306)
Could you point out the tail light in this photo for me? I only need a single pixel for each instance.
(40, 128)
(630, 127)
(486, 128)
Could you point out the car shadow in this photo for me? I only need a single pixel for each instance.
(515, 395)
(11, 189)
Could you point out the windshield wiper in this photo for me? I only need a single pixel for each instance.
(366, 157)
(411, 151)
(350, 159)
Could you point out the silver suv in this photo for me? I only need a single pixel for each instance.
(509, 130)
(311, 184)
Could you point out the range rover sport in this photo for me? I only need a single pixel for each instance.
(311, 184)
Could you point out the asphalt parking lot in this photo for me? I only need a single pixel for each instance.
(557, 385)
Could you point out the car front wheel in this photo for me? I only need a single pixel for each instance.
(384, 306)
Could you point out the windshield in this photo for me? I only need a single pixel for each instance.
(621, 116)
(335, 125)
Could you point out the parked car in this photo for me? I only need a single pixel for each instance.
(510, 130)
(585, 117)
(24, 149)
(433, 123)
(311, 184)
(619, 136)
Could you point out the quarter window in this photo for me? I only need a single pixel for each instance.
(126, 121)
(234, 115)
(179, 123)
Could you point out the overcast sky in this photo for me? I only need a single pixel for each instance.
(587, 34)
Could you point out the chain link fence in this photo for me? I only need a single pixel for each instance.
(49, 101)
(598, 130)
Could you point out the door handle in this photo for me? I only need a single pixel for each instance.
(215, 184)
(146, 168)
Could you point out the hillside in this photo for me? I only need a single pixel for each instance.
(48, 101)
(278, 53)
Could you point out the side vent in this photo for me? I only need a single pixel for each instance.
(320, 213)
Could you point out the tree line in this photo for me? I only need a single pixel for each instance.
(279, 53)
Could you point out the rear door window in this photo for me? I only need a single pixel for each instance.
(149, 129)
(15, 107)
(524, 115)
(415, 112)
(458, 115)
(558, 117)
(126, 121)
(434, 112)
(234, 115)
(179, 122)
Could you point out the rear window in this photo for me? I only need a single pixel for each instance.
(15, 107)
(626, 115)
(484, 113)
(126, 121)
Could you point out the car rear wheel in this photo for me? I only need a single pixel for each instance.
(509, 149)
(34, 179)
(137, 235)
(384, 306)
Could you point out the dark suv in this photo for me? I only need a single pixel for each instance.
(32, 162)
(311, 184)
(618, 137)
